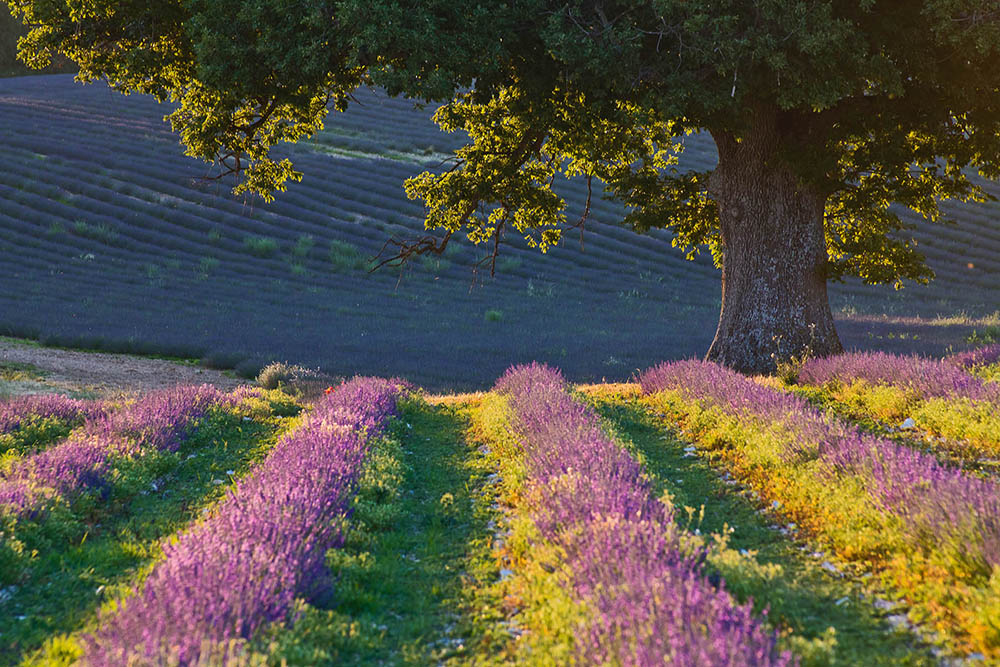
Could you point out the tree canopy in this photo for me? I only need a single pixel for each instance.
(859, 103)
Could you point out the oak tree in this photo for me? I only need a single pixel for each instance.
(825, 113)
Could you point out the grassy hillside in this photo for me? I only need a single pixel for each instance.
(111, 238)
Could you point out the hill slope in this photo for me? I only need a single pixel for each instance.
(110, 237)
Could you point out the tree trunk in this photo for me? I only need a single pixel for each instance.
(774, 300)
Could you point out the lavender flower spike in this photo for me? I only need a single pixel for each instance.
(262, 547)
(649, 602)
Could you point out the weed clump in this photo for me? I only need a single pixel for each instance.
(279, 373)
(260, 246)
(345, 257)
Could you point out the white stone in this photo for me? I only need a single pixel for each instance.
(908, 424)
(898, 621)
(830, 567)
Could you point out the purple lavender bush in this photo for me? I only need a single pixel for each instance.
(262, 547)
(157, 421)
(940, 507)
(930, 378)
(648, 601)
(16, 411)
(980, 356)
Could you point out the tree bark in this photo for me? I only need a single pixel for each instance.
(774, 299)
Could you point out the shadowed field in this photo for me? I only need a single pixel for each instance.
(110, 238)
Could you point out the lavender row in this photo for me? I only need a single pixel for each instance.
(980, 356)
(83, 462)
(648, 603)
(938, 505)
(15, 412)
(262, 547)
(352, 189)
(930, 378)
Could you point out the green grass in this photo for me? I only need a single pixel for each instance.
(987, 335)
(14, 371)
(303, 246)
(67, 585)
(507, 264)
(801, 596)
(102, 233)
(345, 257)
(434, 263)
(400, 574)
(958, 432)
(20, 341)
(207, 266)
(33, 434)
(260, 246)
(27, 342)
(17, 378)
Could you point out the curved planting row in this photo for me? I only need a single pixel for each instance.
(41, 493)
(262, 547)
(933, 532)
(339, 177)
(156, 421)
(17, 412)
(929, 377)
(980, 356)
(637, 592)
(29, 422)
(937, 396)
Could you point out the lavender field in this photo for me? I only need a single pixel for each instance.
(111, 239)
(698, 517)
(532, 468)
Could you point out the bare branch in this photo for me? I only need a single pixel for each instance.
(410, 248)
(579, 224)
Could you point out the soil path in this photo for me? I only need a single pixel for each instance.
(109, 373)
